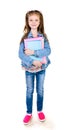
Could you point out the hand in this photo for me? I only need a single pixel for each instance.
(37, 63)
(29, 52)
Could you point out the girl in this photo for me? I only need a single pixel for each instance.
(34, 27)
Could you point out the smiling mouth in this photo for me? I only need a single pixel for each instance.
(33, 25)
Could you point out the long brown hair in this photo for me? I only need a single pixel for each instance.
(27, 28)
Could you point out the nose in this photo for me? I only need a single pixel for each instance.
(33, 21)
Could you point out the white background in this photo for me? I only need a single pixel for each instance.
(12, 79)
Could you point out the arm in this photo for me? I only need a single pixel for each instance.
(25, 58)
(29, 52)
(43, 52)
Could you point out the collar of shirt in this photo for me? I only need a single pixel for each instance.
(31, 36)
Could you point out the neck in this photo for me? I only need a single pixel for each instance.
(34, 32)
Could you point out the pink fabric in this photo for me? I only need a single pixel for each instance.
(41, 116)
(27, 118)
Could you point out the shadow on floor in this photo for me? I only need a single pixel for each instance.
(35, 123)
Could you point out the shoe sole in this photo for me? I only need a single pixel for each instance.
(42, 120)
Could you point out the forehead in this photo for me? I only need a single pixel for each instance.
(34, 16)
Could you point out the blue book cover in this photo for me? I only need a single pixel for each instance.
(35, 44)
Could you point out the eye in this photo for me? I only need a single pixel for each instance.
(30, 20)
(36, 20)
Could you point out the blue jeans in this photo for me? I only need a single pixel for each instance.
(30, 78)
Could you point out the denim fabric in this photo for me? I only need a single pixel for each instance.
(27, 61)
(30, 78)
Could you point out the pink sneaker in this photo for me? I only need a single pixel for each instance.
(27, 118)
(41, 116)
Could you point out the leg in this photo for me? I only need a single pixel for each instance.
(29, 91)
(40, 76)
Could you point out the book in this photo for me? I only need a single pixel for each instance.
(35, 44)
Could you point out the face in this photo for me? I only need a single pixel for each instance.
(34, 21)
